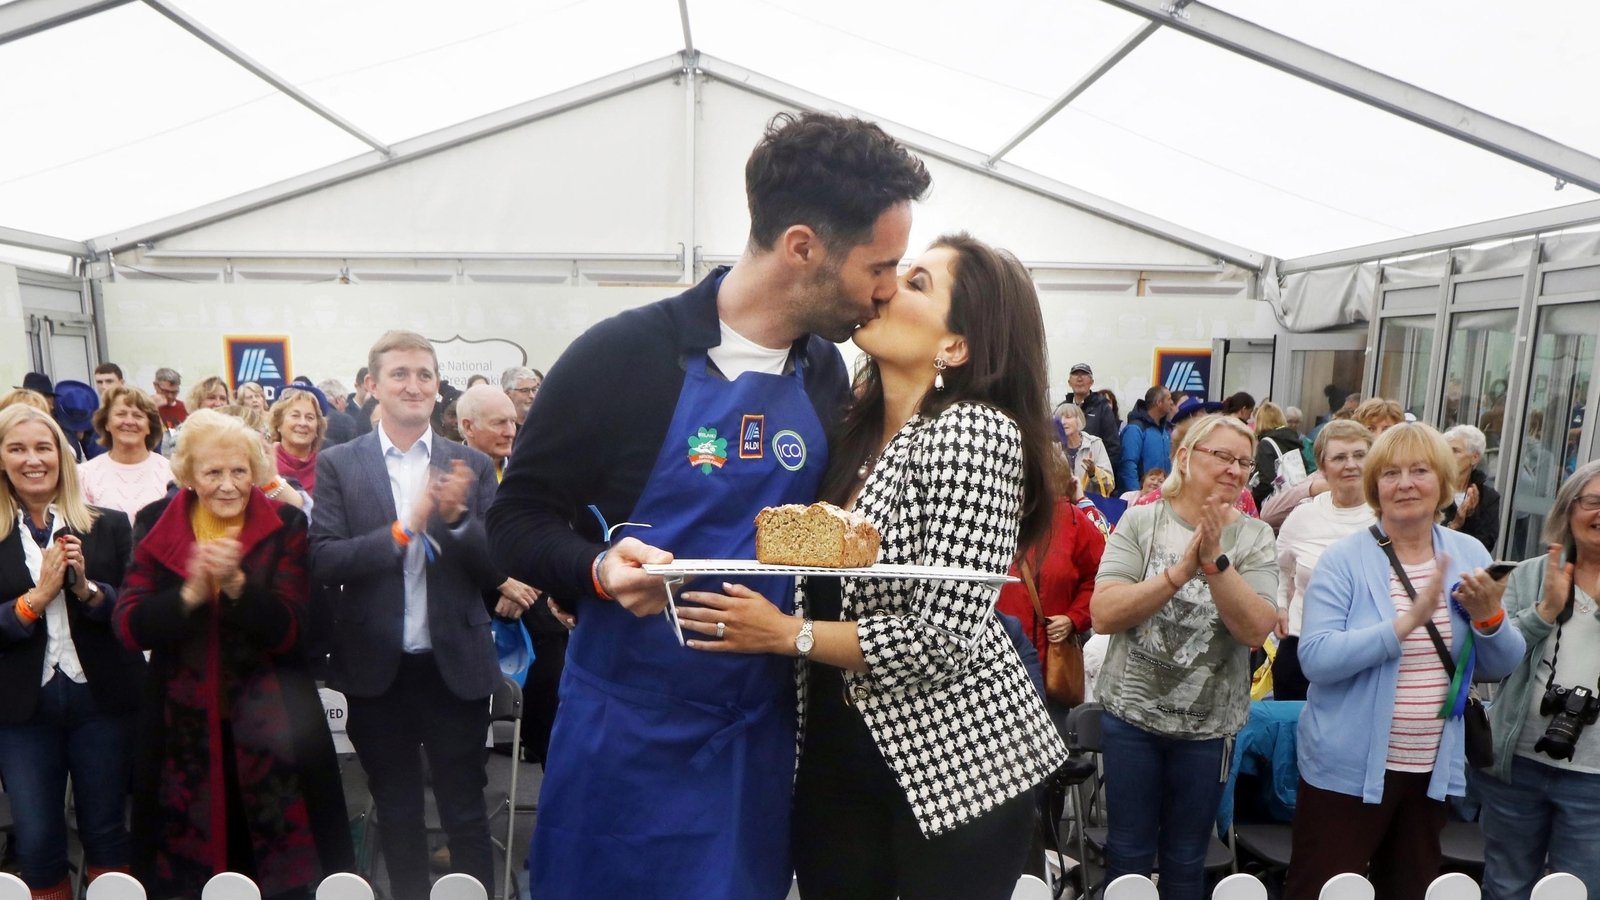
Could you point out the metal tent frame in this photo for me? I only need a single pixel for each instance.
(21, 18)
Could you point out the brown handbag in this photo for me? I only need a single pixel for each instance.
(1063, 660)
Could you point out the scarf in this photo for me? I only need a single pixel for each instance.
(302, 470)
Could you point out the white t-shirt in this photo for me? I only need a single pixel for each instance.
(738, 354)
(1579, 664)
(1309, 530)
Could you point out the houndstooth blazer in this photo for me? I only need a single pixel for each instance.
(945, 694)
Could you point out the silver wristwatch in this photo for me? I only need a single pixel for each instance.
(803, 641)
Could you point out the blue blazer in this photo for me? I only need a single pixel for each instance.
(352, 548)
(1351, 656)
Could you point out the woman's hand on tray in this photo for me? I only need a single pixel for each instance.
(748, 621)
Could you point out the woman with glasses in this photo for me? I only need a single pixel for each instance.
(1382, 740)
(1311, 528)
(1185, 589)
(1541, 799)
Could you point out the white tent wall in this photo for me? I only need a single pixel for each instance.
(15, 356)
(552, 187)
(163, 323)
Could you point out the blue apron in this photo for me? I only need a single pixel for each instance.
(670, 770)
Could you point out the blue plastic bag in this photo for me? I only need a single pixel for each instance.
(514, 648)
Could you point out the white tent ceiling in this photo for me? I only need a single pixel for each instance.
(124, 117)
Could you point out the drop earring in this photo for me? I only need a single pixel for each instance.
(938, 375)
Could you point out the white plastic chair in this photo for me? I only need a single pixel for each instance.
(1240, 886)
(458, 886)
(1560, 886)
(116, 886)
(13, 888)
(1348, 886)
(1454, 886)
(1132, 887)
(230, 886)
(1030, 887)
(344, 886)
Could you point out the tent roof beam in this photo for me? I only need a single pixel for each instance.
(976, 161)
(1373, 88)
(240, 58)
(20, 18)
(1078, 87)
(403, 151)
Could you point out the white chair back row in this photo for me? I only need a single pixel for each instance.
(1560, 886)
(1132, 887)
(233, 886)
(1031, 888)
(115, 886)
(1454, 886)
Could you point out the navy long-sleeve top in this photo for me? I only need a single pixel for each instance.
(598, 424)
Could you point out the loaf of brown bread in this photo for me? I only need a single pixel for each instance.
(820, 535)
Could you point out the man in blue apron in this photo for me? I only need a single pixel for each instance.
(669, 772)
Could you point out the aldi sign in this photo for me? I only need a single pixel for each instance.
(262, 359)
(1186, 369)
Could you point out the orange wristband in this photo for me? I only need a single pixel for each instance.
(1494, 620)
(398, 532)
(24, 611)
(594, 575)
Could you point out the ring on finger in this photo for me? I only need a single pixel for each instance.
(722, 629)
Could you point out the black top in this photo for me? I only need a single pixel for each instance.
(114, 673)
(1484, 521)
(597, 425)
(838, 747)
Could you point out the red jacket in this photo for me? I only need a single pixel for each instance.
(1065, 580)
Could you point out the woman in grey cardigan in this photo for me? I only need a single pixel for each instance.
(1542, 798)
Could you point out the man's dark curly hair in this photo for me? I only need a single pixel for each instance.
(833, 174)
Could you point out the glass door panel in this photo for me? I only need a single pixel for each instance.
(1322, 379)
(1405, 349)
(1477, 372)
(1563, 362)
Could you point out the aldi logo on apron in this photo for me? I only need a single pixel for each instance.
(752, 437)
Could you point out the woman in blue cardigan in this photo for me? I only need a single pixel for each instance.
(1381, 737)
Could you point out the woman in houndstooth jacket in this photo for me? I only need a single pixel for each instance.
(921, 735)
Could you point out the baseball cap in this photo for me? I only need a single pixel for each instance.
(1080, 367)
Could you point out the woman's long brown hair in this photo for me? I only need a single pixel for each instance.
(994, 306)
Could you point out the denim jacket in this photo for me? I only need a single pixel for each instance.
(1351, 656)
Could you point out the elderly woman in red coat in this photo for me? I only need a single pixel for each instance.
(235, 770)
(1064, 577)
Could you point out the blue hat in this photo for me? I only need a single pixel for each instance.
(75, 405)
(322, 399)
(1194, 406)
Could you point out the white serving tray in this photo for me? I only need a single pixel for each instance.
(684, 568)
(676, 573)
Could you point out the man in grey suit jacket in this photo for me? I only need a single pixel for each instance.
(399, 526)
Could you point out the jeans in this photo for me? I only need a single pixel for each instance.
(1162, 793)
(1544, 810)
(67, 735)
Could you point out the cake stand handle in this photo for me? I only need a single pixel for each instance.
(671, 612)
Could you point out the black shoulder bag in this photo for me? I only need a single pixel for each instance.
(1478, 737)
